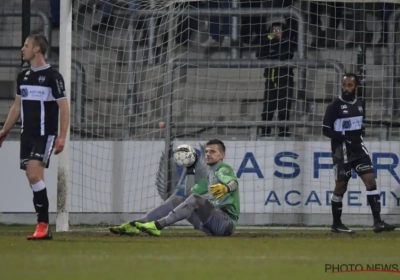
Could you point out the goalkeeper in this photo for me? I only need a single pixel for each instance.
(216, 216)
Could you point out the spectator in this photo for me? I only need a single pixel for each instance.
(55, 13)
(251, 23)
(387, 10)
(219, 27)
(187, 24)
(107, 21)
(279, 80)
(336, 12)
(291, 23)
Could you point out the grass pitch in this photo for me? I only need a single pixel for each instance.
(186, 254)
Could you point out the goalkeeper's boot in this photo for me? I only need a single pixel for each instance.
(149, 228)
(125, 229)
(42, 232)
(382, 226)
(340, 228)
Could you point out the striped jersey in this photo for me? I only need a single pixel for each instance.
(347, 118)
(40, 88)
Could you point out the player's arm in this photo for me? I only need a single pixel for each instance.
(281, 49)
(363, 125)
(58, 91)
(228, 182)
(64, 117)
(264, 51)
(228, 177)
(200, 187)
(13, 115)
(328, 125)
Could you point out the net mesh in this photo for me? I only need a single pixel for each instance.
(9, 71)
(155, 74)
(217, 87)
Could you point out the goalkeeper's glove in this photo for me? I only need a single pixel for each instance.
(219, 190)
(190, 169)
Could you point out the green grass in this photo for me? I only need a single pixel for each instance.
(184, 254)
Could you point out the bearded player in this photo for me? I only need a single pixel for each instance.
(343, 124)
(216, 216)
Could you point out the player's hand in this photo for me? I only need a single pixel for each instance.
(190, 169)
(59, 146)
(3, 136)
(219, 190)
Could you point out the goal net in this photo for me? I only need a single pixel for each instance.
(257, 76)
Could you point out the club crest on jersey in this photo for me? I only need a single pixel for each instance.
(24, 92)
(346, 124)
(360, 109)
(41, 79)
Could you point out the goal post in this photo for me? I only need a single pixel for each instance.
(151, 84)
(65, 68)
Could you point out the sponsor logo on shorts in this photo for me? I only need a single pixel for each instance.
(363, 167)
(36, 155)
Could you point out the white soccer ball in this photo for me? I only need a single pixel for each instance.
(184, 155)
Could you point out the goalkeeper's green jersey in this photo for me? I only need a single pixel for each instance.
(221, 173)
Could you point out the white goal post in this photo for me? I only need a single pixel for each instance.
(62, 220)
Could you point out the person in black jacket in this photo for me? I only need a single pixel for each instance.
(279, 80)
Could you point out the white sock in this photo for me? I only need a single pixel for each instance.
(38, 186)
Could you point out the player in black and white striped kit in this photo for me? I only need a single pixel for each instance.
(40, 102)
(343, 124)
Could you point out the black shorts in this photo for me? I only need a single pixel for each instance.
(36, 148)
(362, 166)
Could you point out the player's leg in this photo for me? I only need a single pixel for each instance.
(218, 223)
(197, 224)
(129, 228)
(39, 160)
(366, 172)
(193, 204)
(342, 174)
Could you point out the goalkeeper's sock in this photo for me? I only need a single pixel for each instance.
(41, 201)
(158, 226)
(337, 206)
(160, 211)
(183, 211)
(132, 223)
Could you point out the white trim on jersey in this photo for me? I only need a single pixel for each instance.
(22, 116)
(344, 150)
(60, 98)
(42, 115)
(348, 124)
(348, 102)
(36, 93)
(40, 94)
(363, 147)
(44, 67)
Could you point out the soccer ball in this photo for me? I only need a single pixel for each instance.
(185, 155)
